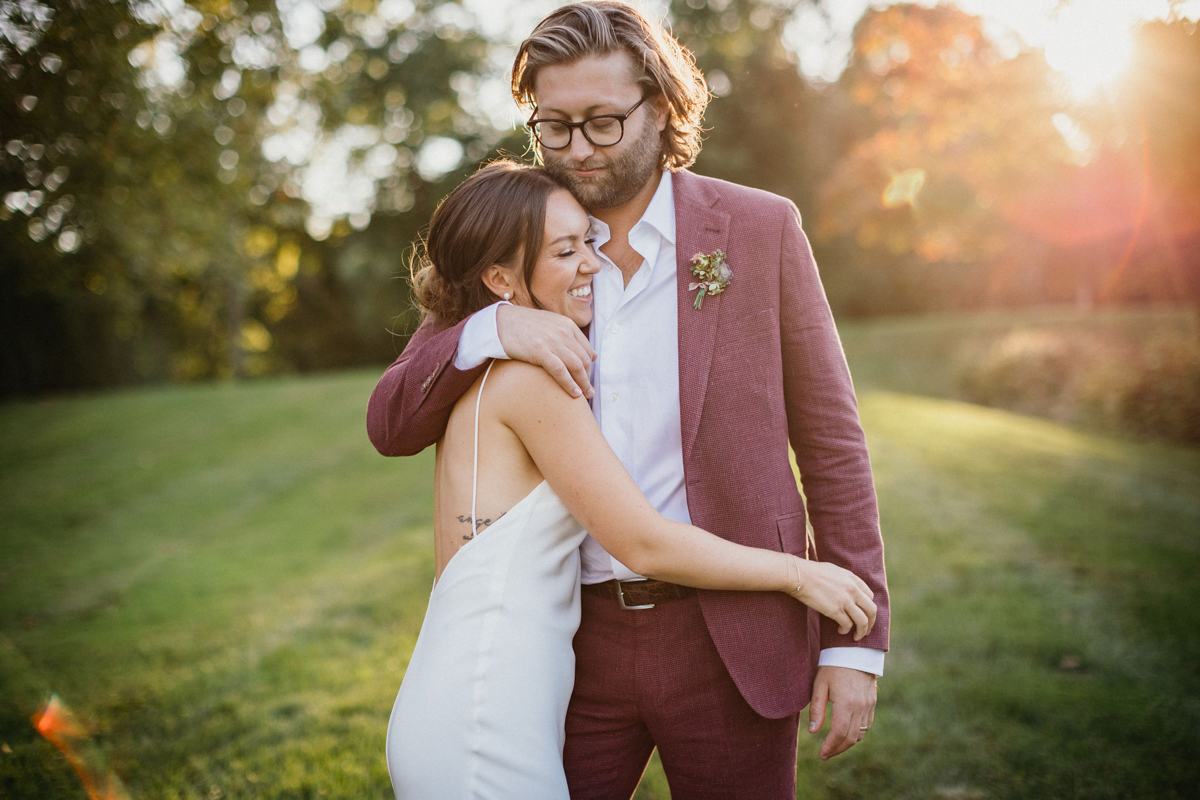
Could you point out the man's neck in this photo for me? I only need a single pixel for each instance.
(620, 222)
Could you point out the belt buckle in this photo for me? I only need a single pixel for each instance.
(621, 596)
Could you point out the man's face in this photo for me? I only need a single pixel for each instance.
(601, 177)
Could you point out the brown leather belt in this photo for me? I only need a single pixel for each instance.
(640, 593)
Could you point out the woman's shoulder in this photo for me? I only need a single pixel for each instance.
(518, 386)
(510, 376)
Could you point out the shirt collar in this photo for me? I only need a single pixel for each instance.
(659, 214)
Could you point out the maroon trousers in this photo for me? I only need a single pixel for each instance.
(653, 678)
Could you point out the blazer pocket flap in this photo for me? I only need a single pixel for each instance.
(793, 534)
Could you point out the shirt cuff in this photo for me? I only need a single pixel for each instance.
(864, 659)
(480, 339)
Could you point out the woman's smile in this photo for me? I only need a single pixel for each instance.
(562, 278)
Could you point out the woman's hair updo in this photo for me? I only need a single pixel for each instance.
(496, 216)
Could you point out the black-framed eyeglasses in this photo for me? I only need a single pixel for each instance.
(602, 131)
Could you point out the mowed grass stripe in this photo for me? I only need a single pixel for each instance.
(226, 581)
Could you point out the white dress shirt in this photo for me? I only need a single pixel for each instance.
(636, 379)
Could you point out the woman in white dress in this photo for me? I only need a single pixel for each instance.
(521, 473)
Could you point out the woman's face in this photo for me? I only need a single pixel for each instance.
(562, 276)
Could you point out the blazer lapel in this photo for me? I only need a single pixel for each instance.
(699, 228)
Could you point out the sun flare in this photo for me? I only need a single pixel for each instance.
(1090, 43)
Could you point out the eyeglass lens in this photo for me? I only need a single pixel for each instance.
(601, 132)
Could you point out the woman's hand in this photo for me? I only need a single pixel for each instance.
(834, 592)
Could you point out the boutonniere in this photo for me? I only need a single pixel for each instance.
(713, 273)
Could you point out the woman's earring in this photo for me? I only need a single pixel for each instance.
(507, 295)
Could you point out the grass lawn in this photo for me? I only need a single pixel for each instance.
(224, 582)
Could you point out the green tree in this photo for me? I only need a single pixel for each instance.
(764, 120)
(954, 135)
(1154, 127)
(165, 209)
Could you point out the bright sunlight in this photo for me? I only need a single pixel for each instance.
(1090, 43)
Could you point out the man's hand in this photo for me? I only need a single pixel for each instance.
(853, 696)
(549, 340)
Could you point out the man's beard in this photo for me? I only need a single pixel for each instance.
(623, 176)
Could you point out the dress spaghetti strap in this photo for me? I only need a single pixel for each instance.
(475, 464)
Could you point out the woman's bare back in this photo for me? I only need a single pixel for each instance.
(507, 473)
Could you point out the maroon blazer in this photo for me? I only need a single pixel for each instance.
(760, 365)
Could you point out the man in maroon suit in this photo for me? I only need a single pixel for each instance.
(699, 397)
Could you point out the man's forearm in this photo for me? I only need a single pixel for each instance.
(480, 339)
(411, 404)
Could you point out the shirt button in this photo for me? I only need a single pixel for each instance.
(616, 328)
(613, 397)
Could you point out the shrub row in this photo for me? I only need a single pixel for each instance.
(1149, 389)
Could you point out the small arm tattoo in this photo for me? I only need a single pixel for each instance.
(479, 525)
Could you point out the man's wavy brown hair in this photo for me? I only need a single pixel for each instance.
(600, 27)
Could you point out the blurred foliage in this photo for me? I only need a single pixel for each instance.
(1147, 389)
(155, 157)
(976, 181)
(1157, 113)
(937, 173)
(956, 129)
(1119, 371)
(952, 132)
(762, 122)
(175, 203)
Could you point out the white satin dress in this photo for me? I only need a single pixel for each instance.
(482, 707)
